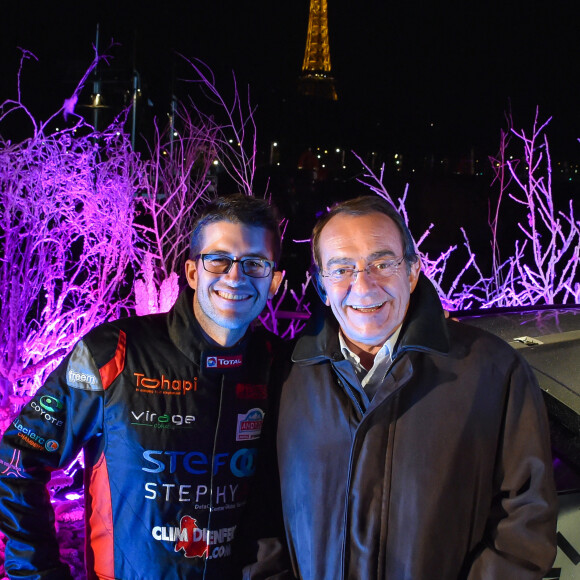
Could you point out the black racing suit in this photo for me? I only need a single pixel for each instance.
(170, 428)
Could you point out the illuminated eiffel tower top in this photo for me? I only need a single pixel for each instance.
(316, 78)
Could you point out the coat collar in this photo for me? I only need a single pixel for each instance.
(188, 336)
(424, 328)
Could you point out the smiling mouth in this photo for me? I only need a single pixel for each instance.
(228, 296)
(371, 308)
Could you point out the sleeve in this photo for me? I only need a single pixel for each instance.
(49, 433)
(521, 536)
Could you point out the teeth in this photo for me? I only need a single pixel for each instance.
(371, 308)
(229, 296)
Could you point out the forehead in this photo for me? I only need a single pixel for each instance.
(237, 239)
(360, 237)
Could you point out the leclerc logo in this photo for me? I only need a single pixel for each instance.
(223, 362)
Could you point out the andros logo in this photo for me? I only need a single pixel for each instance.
(250, 425)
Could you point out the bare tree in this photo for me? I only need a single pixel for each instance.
(66, 242)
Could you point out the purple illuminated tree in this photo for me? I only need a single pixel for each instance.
(544, 265)
(180, 176)
(67, 241)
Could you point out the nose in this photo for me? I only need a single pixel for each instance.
(362, 281)
(236, 272)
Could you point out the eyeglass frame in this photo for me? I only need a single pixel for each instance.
(373, 273)
(241, 261)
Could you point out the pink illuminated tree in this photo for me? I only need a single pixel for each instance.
(180, 177)
(545, 263)
(67, 241)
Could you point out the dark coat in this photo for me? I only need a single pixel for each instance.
(445, 474)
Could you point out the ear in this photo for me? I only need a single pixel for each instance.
(191, 273)
(414, 274)
(319, 286)
(277, 278)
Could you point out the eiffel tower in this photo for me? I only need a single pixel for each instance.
(316, 79)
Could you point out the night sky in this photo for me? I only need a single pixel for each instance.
(399, 67)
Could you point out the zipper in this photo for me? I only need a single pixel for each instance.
(214, 450)
(351, 459)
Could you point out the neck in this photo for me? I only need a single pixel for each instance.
(365, 352)
(215, 333)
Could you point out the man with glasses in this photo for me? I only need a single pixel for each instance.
(410, 447)
(169, 410)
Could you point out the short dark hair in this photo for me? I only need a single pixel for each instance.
(360, 206)
(237, 209)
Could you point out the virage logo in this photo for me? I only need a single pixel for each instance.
(161, 421)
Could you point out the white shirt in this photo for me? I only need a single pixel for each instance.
(381, 364)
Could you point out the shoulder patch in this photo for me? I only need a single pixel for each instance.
(82, 372)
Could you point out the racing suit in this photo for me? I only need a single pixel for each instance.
(170, 428)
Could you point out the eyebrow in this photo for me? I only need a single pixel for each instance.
(372, 258)
(243, 257)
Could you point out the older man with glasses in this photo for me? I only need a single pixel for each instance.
(410, 447)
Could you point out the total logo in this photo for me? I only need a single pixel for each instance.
(250, 425)
(195, 541)
(161, 421)
(241, 464)
(223, 362)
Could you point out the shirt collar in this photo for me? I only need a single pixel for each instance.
(385, 351)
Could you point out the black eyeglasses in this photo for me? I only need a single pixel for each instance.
(221, 264)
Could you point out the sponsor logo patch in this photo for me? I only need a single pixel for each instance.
(51, 404)
(194, 541)
(250, 425)
(33, 439)
(51, 445)
(13, 468)
(161, 421)
(46, 416)
(248, 391)
(223, 362)
(163, 385)
(241, 464)
(79, 378)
